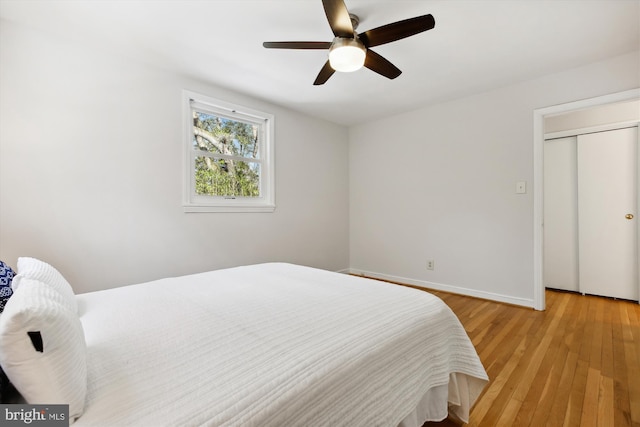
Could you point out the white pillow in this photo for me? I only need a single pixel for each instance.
(50, 366)
(34, 269)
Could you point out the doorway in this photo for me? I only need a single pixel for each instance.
(539, 117)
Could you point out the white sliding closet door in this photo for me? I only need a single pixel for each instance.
(560, 214)
(607, 213)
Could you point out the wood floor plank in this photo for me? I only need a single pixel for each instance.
(480, 325)
(526, 381)
(607, 341)
(590, 404)
(605, 402)
(622, 410)
(542, 394)
(573, 340)
(537, 342)
(495, 387)
(557, 412)
(595, 353)
(504, 329)
(573, 413)
(606, 397)
(566, 409)
(630, 331)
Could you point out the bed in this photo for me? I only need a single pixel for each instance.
(270, 344)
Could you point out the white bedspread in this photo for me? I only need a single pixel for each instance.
(272, 345)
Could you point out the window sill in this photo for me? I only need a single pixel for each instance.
(230, 209)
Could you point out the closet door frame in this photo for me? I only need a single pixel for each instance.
(539, 302)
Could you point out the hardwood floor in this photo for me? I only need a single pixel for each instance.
(575, 364)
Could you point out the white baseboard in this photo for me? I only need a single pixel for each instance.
(443, 287)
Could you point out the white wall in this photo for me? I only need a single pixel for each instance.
(439, 183)
(91, 178)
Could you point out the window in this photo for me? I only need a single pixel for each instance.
(228, 157)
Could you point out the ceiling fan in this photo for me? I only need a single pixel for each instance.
(349, 51)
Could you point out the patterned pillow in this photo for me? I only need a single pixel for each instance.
(6, 276)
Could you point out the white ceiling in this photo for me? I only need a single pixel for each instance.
(476, 45)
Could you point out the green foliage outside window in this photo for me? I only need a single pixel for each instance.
(233, 174)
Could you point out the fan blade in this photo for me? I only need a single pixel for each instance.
(324, 74)
(397, 30)
(338, 17)
(297, 45)
(380, 65)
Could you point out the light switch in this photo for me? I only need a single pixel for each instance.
(521, 187)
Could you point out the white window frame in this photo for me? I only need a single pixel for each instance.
(193, 202)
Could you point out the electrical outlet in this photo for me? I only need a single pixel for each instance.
(430, 264)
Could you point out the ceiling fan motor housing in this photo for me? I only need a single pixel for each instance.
(347, 54)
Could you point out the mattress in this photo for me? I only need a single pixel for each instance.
(274, 345)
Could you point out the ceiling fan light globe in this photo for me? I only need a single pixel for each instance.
(347, 55)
